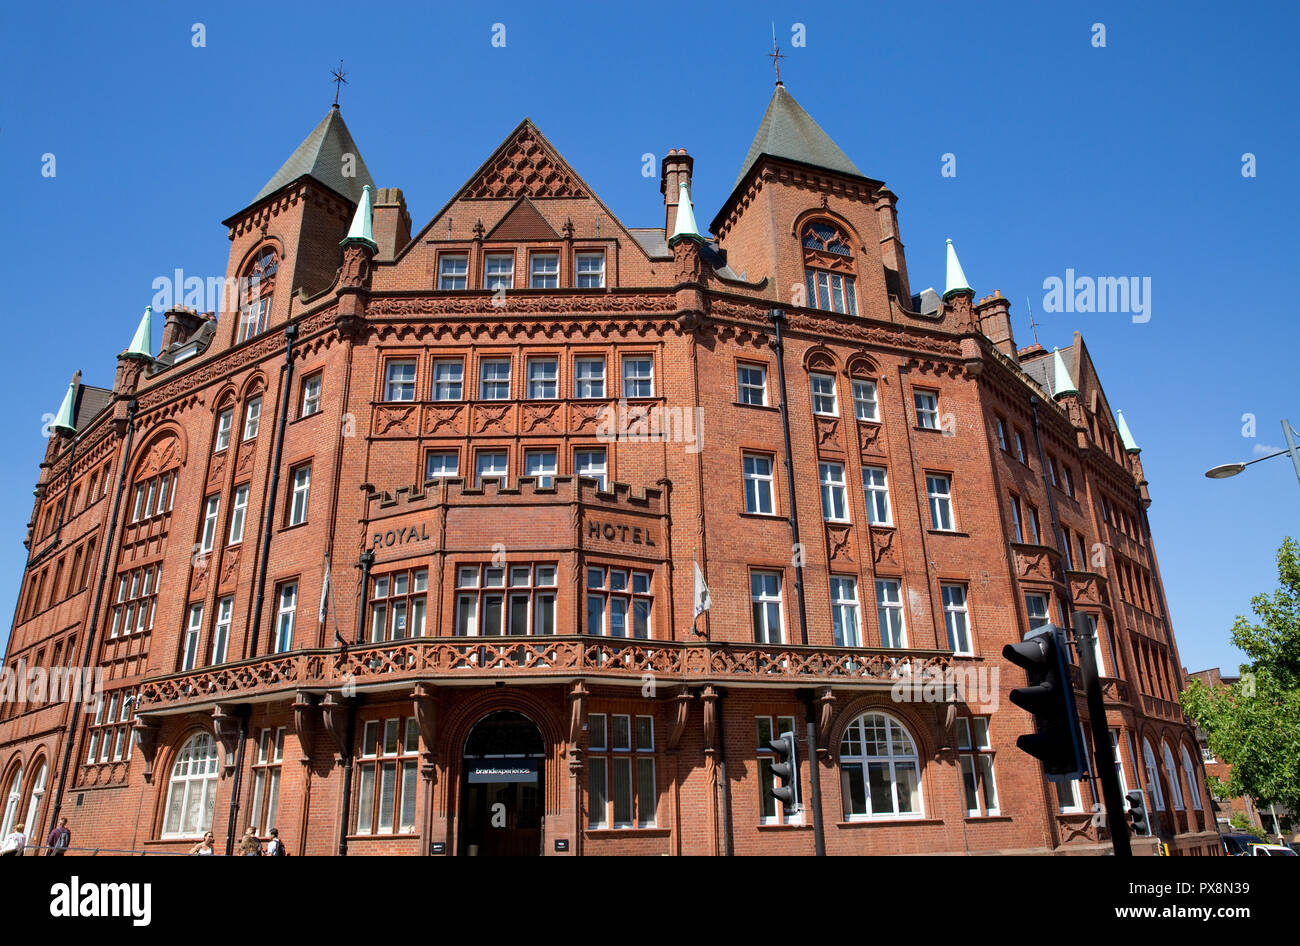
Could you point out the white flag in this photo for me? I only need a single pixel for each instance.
(325, 590)
(702, 600)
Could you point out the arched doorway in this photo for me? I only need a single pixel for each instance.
(501, 789)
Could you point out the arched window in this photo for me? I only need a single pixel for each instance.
(1153, 776)
(13, 798)
(1192, 786)
(1175, 787)
(828, 268)
(880, 771)
(255, 294)
(38, 790)
(192, 788)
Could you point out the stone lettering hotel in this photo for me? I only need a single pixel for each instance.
(399, 553)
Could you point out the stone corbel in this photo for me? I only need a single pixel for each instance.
(681, 711)
(226, 719)
(710, 698)
(334, 713)
(425, 698)
(304, 724)
(824, 714)
(145, 733)
(578, 694)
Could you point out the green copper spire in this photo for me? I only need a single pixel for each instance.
(685, 228)
(65, 422)
(1063, 383)
(1126, 435)
(142, 344)
(361, 230)
(956, 278)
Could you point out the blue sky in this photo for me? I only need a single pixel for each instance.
(1117, 161)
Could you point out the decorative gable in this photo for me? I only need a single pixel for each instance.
(525, 166)
(523, 222)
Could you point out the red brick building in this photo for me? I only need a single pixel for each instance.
(505, 439)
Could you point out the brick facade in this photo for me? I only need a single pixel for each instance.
(688, 776)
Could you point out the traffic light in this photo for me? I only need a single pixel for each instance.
(1137, 815)
(1056, 741)
(786, 771)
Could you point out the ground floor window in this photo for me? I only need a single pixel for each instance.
(770, 811)
(266, 780)
(880, 771)
(976, 754)
(622, 792)
(192, 788)
(388, 779)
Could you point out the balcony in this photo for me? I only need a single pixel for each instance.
(398, 664)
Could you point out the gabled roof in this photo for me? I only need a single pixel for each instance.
(523, 222)
(320, 157)
(787, 131)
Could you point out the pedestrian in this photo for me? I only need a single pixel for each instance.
(204, 846)
(250, 846)
(59, 840)
(15, 842)
(275, 847)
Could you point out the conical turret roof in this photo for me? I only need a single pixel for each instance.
(320, 157)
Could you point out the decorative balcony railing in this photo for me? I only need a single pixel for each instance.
(432, 658)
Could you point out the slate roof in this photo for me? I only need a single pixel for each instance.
(1043, 370)
(90, 401)
(652, 240)
(320, 156)
(787, 131)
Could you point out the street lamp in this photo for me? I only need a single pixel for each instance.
(1225, 470)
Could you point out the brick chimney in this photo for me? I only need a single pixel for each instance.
(891, 245)
(994, 314)
(181, 322)
(677, 167)
(391, 222)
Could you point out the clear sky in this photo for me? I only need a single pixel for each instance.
(1122, 160)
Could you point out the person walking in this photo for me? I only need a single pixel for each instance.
(15, 842)
(275, 847)
(59, 839)
(249, 845)
(205, 846)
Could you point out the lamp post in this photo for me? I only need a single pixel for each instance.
(1225, 470)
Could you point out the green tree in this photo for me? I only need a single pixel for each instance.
(1254, 725)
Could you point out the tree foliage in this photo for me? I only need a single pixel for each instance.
(1254, 725)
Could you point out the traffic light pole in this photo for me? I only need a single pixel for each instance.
(815, 783)
(1116, 820)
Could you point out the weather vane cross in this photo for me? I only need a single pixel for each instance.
(339, 81)
(775, 55)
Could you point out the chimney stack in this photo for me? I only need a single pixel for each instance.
(391, 222)
(179, 324)
(994, 314)
(677, 167)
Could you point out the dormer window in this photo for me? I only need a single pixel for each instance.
(255, 307)
(828, 269)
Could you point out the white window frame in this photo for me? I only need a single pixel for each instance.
(866, 406)
(583, 278)
(584, 463)
(544, 276)
(759, 491)
(748, 390)
(211, 510)
(443, 472)
(479, 471)
(890, 613)
(956, 618)
(285, 616)
(822, 388)
(976, 760)
(835, 499)
(225, 421)
(875, 490)
(636, 380)
(221, 629)
(190, 643)
(538, 384)
(927, 414)
(449, 379)
(252, 417)
(453, 272)
(844, 607)
(193, 770)
(401, 386)
(496, 277)
(585, 385)
(764, 603)
(238, 513)
(489, 373)
(540, 463)
(940, 501)
(311, 392)
(857, 733)
(300, 496)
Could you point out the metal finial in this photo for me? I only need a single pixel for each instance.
(775, 55)
(339, 81)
